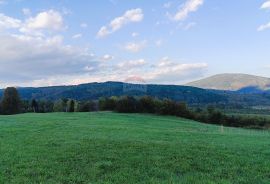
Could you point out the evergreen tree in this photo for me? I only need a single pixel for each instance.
(11, 101)
(70, 106)
(34, 105)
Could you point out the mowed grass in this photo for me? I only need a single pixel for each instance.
(105, 147)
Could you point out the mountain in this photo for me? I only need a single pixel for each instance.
(234, 82)
(94, 91)
(192, 95)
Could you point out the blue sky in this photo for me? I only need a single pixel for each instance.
(54, 42)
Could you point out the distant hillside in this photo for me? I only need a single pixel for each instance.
(234, 82)
(191, 95)
(94, 91)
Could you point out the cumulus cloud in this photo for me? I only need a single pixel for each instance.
(135, 46)
(266, 5)
(167, 71)
(187, 8)
(9, 22)
(164, 72)
(264, 27)
(133, 15)
(51, 20)
(26, 58)
(34, 54)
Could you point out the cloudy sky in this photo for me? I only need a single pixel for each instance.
(60, 42)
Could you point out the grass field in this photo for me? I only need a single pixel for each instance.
(123, 148)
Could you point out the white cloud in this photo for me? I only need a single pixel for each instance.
(167, 71)
(43, 59)
(133, 15)
(107, 57)
(9, 22)
(76, 36)
(51, 20)
(25, 59)
(266, 5)
(264, 27)
(44, 21)
(135, 47)
(129, 65)
(187, 8)
(103, 32)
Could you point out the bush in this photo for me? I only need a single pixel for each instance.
(87, 106)
(107, 104)
(147, 105)
(127, 104)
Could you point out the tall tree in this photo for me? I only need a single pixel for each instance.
(11, 101)
(34, 105)
(71, 106)
(59, 106)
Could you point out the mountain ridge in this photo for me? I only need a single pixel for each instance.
(233, 82)
(191, 95)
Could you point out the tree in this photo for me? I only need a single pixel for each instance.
(58, 106)
(107, 104)
(45, 106)
(147, 104)
(11, 101)
(65, 104)
(34, 105)
(127, 104)
(70, 106)
(168, 107)
(85, 106)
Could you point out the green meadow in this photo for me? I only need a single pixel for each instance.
(105, 147)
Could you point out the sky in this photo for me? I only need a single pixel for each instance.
(63, 42)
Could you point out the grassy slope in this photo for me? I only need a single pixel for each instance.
(122, 148)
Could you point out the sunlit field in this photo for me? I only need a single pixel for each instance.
(128, 148)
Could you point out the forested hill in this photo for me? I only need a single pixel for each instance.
(191, 95)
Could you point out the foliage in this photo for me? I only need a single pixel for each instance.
(70, 106)
(11, 101)
(34, 105)
(147, 104)
(85, 106)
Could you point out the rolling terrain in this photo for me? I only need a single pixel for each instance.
(192, 95)
(123, 148)
(234, 82)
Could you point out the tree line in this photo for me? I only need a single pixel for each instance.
(209, 115)
(12, 104)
